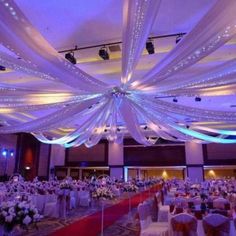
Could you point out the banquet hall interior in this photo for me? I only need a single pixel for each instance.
(118, 117)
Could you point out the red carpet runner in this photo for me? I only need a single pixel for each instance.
(91, 225)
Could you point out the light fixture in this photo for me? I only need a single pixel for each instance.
(70, 57)
(178, 38)
(198, 99)
(27, 168)
(103, 53)
(4, 152)
(150, 47)
(175, 100)
(11, 153)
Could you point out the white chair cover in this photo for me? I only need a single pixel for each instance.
(196, 200)
(181, 202)
(84, 198)
(149, 228)
(219, 203)
(184, 225)
(216, 224)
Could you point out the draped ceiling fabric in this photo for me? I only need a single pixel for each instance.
(99, 110)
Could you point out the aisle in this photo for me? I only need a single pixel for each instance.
(91, 225)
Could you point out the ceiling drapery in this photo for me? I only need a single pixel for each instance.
(98, 110)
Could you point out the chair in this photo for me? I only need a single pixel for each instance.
(149, 228)
(190, 205)
(196, 200)
(219, 211)
(72, 200)
(51, 208)
(216, 224)
(179, 210)
(210, 205)
(163, 213)
(227, 206)
(184, 225)
(219, 203)
(181, 202)
(84, 198)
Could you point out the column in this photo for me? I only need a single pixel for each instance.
(194, 161)
(116, 160)
(57, 157)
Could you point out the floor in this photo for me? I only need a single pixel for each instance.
(127, 225)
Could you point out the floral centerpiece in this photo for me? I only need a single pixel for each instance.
(66, 185)
(130, 187)
(102, 193)
(17, 213)
(140, 184)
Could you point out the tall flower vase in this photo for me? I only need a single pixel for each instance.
(102, 216)
(140, 196)
(129, 214)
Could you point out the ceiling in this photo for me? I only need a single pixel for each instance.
(69, 23)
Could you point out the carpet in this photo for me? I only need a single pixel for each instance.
(91, 225)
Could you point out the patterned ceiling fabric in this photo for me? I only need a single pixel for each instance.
(87, 109)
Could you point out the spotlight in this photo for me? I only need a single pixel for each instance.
(175, 100)
(178, 38)
(70, 57)
(198, 99)
(103, 53)
(2, 68)
(150, 47)
(11, 153)
(4, 152)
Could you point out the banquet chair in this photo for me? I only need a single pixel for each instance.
(39, 201)
(181, 202)
(219, 211)
(179, 210)
(84, 198)
(219, 203)
(72, 200)
(184, 224)
(210, 205)
(216, 224)
(227, 206)
(149, 228)
(190, 204)
(51, 209)
(196, 200)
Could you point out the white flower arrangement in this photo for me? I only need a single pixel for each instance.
(18, 213)
(130, 187)
(103, 193)
(66, 185)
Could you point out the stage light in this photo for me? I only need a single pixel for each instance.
(103, 53)
(198, 99)
(4, 152)
(11, 153)
(2, 68)
(175, 100)
(150, 47)
(70, 57)
(178, 38)
(27, 168)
